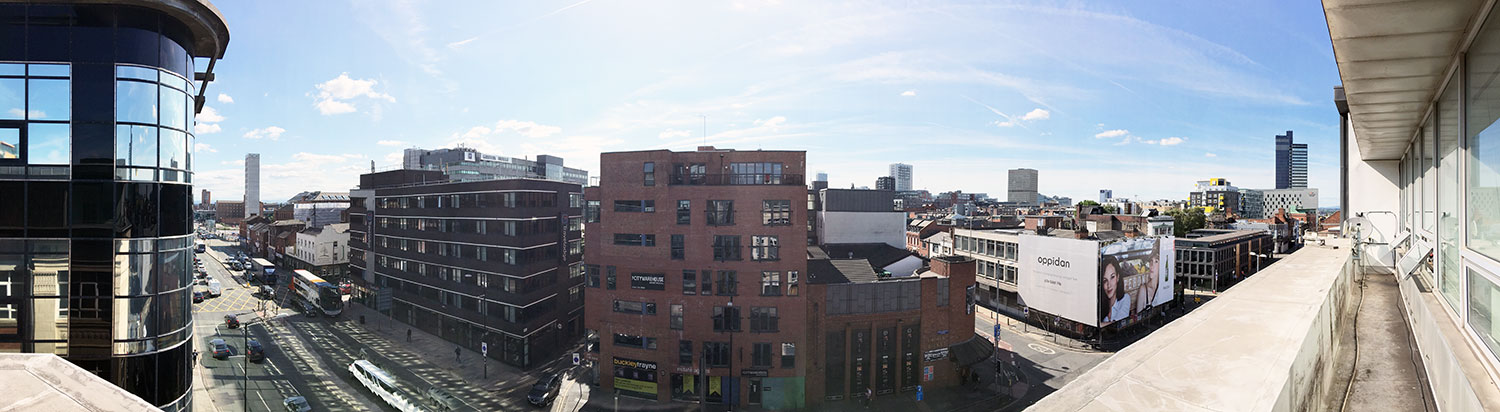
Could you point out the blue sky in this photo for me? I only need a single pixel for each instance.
(1140, 97)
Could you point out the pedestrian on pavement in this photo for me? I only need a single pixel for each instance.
(457, 353)
(869, 396)
(408, 335)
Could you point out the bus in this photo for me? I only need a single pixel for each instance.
(262, 271)
(317, 292)
(383, 385)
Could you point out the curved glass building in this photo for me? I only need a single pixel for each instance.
(97, 100)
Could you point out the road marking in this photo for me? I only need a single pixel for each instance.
(1043, 349)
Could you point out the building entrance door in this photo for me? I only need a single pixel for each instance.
(754, 391)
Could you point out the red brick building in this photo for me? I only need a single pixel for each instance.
(889, 334)
(695, 261)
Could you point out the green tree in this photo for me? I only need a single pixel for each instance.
(1184, 221)
(1088, 203)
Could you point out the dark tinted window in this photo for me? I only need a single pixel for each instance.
(176, 212)
(136, 209)
(47, 202)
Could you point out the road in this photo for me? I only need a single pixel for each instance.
(1047, 366)
(291, 368)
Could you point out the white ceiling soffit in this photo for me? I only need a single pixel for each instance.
(1393, 57)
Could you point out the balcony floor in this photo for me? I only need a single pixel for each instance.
(1387, 368)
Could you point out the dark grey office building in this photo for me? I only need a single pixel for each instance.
(97, 104)
(494, 261)
(1215, 259)
(1291, 163)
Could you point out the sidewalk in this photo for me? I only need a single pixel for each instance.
(439, 352)
(1018, 327)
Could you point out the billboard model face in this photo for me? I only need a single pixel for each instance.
(1134, 276)
(1061, 276)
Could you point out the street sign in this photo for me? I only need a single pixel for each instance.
(484, 348)
(576, 359)
(383, 299)
(997, 332)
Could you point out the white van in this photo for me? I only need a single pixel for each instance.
(215, 288)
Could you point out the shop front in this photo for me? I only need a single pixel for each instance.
(635, 378)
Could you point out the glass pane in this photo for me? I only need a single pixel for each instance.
(173, 149)
(135, 102)
(135, 146)
(48, 99)
(135, 72)
(134, 274)
(134, 318)
(1484, 306)
(10, 143)
(47, 143)
(12, 99)
(173, 80)
(49, 275)
(173, 108)
(49, 318)
(1447, 193)
(1483, 108)
(49, 70)
(12, 69)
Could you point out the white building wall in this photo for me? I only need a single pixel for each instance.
(1374, 194)
(862, 227)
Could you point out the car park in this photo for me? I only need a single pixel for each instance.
(221, 350)
(545, 390)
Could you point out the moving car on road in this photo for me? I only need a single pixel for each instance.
(221, 350)
(296, 404)
(254, 351)
(197, 295)
(545, 390)
(231, 321)
(215, 288)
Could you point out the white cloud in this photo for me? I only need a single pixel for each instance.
(771, 123)
(271, 132)
(1210, 155)
(1037, 114)
(476, 132)
(204, 147)
(674, 133)
(333, 96)
(909, 93)
(1172, 141)
(318, 158)
(224, 98)
(35, 114)
(392, 143)
(206, 128)
(209, 115)
(1111, 133)
(528, 129)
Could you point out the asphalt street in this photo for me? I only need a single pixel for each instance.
(1047, 366)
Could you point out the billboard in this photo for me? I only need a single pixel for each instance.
(1134, 276)
(1060, 276)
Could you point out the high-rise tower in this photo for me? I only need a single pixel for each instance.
(252, 184)
(902, 173)
(1291, 163)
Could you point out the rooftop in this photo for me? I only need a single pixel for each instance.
(45, 382)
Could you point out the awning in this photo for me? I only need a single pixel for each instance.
(971, 351)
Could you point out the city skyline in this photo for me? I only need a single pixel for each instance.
(573, 79)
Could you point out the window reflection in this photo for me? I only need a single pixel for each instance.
(1484, 307)
(1482, 112)
(134, 318)
(173, 149)
(136, 72)
(135, 145)
(49, 275)
(54, 70)
(173, 108)
(48, 143)
(134, 274)
(12, 99)
(49, 318)
(135, 102)
(47, 99)
(10, 143)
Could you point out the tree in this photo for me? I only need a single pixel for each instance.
(1088, 203)
(1184, 221)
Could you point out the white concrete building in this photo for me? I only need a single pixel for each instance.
(901, 172)
(860, 216)
(1293, 200)
(323, 251)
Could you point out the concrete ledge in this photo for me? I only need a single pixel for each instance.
(1263, 345)
(1459, 379)
(45, 382)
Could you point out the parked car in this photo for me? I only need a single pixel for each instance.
(296, 404)
(545, 390)
(254, 351)
(231, 321)
(197, 296)
(221, 350)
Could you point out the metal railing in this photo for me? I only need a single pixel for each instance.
(724, 179)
